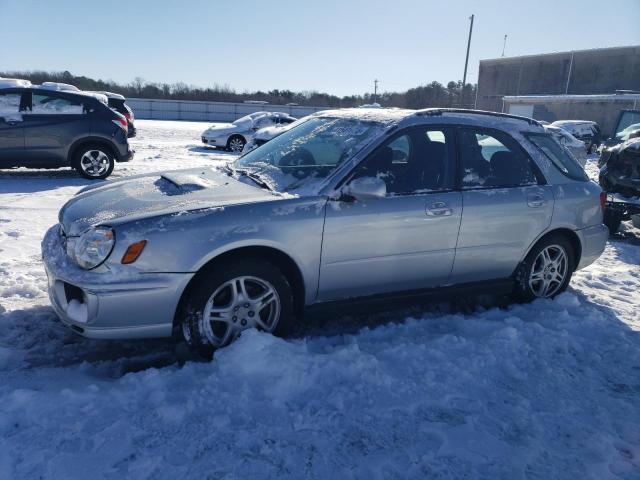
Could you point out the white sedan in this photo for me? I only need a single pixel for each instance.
(234, 136)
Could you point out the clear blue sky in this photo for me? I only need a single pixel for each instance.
(337, 46)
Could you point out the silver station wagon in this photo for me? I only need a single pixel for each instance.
(349, 203)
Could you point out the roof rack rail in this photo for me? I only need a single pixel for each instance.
(440, 111)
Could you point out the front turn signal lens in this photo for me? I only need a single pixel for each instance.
(133, 252)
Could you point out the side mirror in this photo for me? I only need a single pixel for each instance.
(366, 188)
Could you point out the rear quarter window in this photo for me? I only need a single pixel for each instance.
(558, 156)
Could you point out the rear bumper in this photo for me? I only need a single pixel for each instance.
(126, 156)
(108, 305)
(593, 240)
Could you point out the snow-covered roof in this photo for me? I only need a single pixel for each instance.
(381, 115)
(572, 122)
(13, 82)
(58, 87)
(108, 94)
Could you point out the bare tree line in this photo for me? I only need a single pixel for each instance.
(433, 94)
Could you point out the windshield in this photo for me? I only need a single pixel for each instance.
(626, 133)
(308, 152)
(627, 119)
(241, 120)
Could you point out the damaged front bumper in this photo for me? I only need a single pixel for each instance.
(110, 304)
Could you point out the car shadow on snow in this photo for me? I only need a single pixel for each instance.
(44, 342)
(208, 149)
(31, 181)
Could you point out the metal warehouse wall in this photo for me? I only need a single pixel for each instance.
(581, 72)
(208, 111)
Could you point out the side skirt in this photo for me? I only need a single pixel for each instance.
(399, 299)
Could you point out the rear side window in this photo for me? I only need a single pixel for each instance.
(10, 103)
(558, 156)
(50, 104)
(492, 160)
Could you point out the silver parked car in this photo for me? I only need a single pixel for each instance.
(350, 203)
(234, 136)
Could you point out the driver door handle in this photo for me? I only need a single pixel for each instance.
(439, 209)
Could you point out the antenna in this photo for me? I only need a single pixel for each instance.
(504, 45)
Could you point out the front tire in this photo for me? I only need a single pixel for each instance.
(547, 270)
(233, 296)
(94, 162)
(236, 143)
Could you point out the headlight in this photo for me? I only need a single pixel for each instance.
(93, 247)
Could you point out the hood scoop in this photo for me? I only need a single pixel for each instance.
(182, 182)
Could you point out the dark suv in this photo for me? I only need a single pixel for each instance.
(43, 128)
(117, 103)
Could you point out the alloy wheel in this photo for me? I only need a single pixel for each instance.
(549, 271)
(238, 304)
(236, 145)
(94, 163)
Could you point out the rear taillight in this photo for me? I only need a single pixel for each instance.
(603, 200)
(128, 116)
(122, 123)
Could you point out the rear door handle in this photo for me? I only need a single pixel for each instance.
(536, 201)
(439, 209)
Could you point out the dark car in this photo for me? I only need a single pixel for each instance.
(117, 103)
(620, 178)
(46, 128)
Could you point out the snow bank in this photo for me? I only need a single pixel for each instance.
(548, 391)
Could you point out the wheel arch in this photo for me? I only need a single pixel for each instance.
(284, 262)
(569, 234)
(78, 144)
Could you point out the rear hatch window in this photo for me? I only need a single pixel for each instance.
(558, 156)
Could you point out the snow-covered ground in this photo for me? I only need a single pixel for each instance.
(541, 391)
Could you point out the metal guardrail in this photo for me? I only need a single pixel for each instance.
(159, 109)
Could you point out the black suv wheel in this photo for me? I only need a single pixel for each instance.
(94, 162)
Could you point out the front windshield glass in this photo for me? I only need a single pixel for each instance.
(245, 119)
(626, 133)
(627, 119)
(308, 152)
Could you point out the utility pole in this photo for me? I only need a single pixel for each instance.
(466, 62)
(375, 90)
(504, 45)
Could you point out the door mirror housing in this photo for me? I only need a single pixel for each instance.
(364, 188)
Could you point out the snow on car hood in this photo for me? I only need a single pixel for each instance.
(221, 126)
(135, 198)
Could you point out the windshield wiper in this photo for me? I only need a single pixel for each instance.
(253, 176)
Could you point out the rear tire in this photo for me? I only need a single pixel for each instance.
(612, 220)
(235, 295)
(94, 162)
(547, 270)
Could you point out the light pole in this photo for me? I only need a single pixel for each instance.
(375, 90)
(466, 62)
